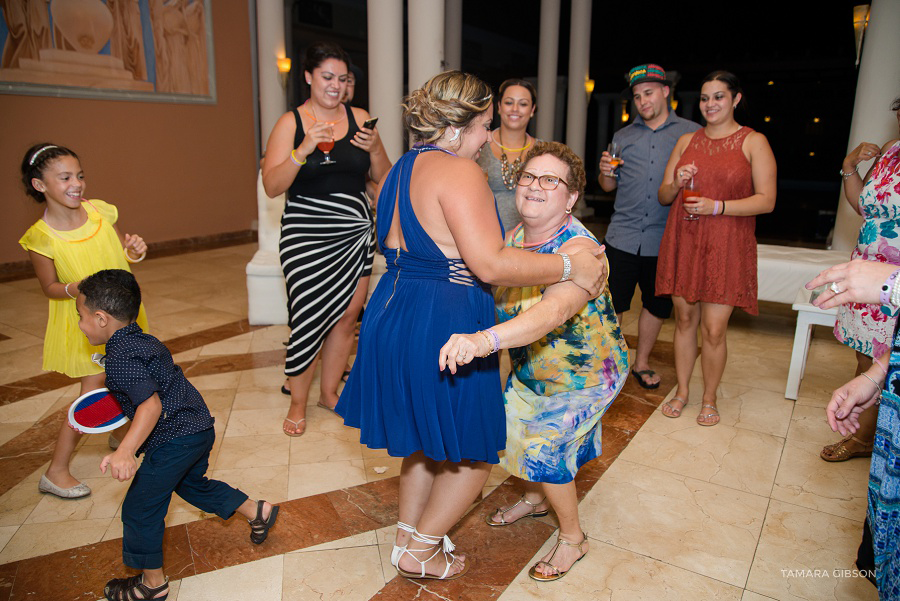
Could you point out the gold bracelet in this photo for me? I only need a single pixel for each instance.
(490, 342)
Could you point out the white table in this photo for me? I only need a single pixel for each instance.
(807, 317)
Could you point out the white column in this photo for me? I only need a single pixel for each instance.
(548, 55)
(876, 87)
(453, 12)
(579, 49)
(270, 47)
(385, 23)
(426, 41)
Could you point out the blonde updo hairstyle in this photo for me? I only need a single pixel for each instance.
(576, 177)
(449, 99)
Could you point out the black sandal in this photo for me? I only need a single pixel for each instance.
(126, 589)
(259, 528)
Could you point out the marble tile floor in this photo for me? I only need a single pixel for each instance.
(744, 510)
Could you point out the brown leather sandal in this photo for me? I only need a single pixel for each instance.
(127, 589)
(838, 451)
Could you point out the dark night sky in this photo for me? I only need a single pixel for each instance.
(806, 48)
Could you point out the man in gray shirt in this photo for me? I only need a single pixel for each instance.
(638, 220)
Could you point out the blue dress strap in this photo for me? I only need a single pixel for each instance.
(395, 193)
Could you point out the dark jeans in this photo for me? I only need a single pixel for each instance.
(177, 466)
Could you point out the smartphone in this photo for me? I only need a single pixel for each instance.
(370, 123)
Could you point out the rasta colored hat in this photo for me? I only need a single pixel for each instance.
(649, 73)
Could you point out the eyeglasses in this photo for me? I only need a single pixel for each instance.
(546, 182)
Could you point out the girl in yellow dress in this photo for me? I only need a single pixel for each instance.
(74, 239)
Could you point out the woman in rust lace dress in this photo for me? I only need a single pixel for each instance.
(708, 264)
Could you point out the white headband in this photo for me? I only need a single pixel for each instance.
(38, 152)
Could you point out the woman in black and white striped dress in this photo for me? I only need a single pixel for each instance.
(327, 242)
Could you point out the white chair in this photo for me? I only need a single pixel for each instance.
(807, 317)
(783, 272)
(266, 293)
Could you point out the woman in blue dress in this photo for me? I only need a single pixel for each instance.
(874, 390)
(439, 231)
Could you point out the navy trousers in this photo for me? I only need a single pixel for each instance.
(177, 466)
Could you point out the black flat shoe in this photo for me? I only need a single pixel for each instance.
(259, 528)
(125, 589)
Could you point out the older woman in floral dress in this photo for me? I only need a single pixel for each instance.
(568, 354)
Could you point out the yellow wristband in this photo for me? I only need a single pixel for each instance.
(295, 161)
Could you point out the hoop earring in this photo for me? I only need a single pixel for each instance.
(455, 133)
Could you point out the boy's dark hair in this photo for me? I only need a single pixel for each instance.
(114, 291)
(35, 162)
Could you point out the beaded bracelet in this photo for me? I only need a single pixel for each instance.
(492, 339)
(295, 161)
(895, 293)
(888, 287)
(489, 341)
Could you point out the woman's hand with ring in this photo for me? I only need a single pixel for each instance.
(864, 152)
(461, 349)
(684, 174)
(858, 281)
(699, 205)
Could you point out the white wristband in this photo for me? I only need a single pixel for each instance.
(138, 260)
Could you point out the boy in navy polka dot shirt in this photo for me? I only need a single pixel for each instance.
(170, 424)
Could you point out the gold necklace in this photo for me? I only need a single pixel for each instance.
(510, 149)
(507, 171)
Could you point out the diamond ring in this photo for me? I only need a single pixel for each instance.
(835, 288)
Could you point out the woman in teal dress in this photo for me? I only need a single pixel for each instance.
(569, 358)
